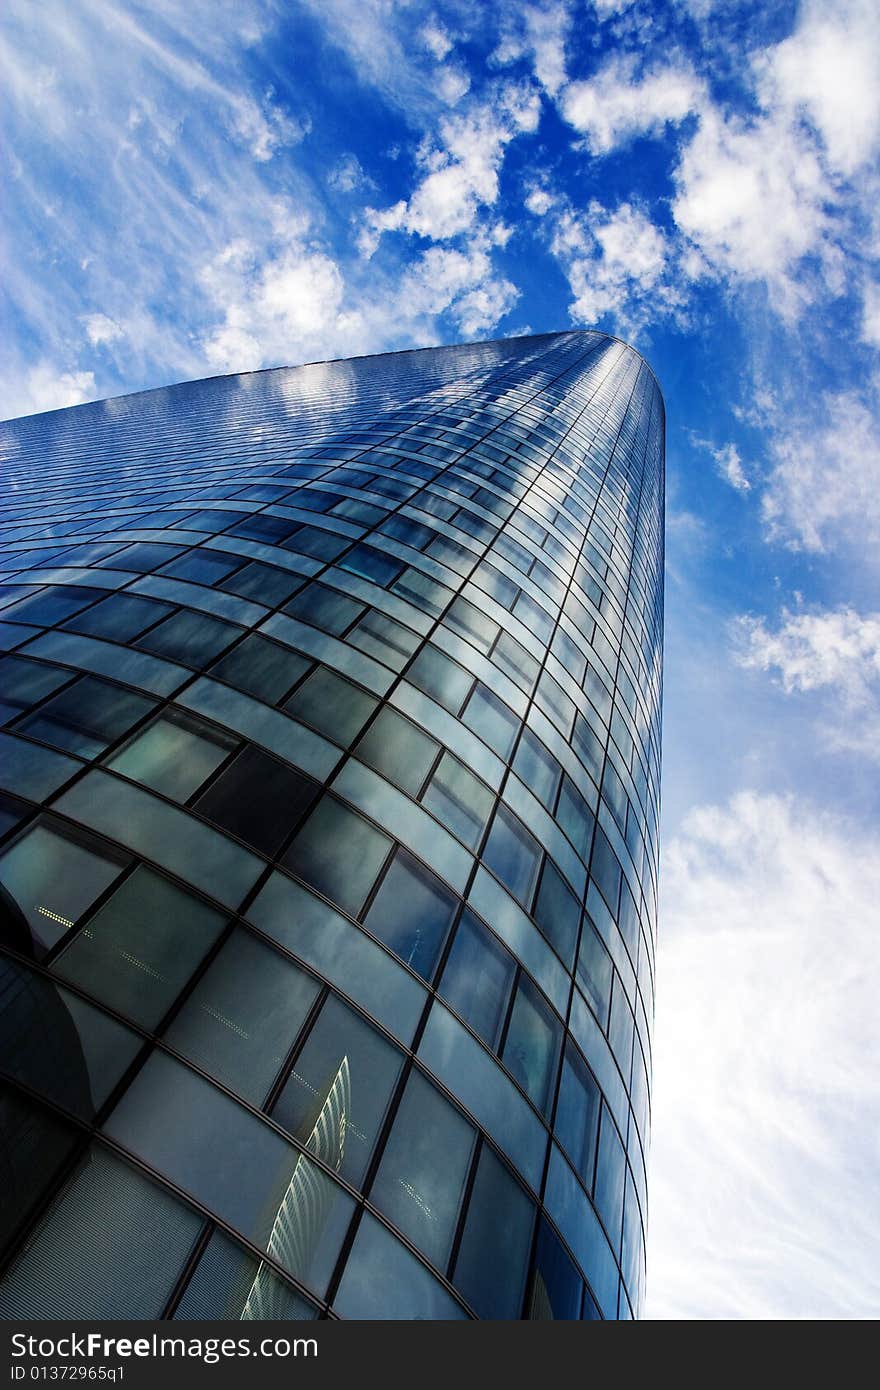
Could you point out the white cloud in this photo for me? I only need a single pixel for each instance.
(829, 70)
(44, 387)
(767, 1098)
(836, 652)
(751, 198)
(537, 32)
(616, 262)
(823, 488)
(435, 39)
(728, 463)
(460, 282)
(347, 174)
(461, 170)
(871, 314)
(101, 329)
(730, 467)
(615, 105)
(282, 308)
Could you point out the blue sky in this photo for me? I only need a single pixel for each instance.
(208, 187)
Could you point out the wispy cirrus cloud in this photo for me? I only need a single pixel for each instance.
(766, 1103)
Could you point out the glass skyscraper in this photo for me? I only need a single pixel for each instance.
(330, 771)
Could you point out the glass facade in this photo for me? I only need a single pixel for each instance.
(328, 840)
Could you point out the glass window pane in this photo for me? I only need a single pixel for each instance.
(65, 1049)
(575, 818)
(477, 979)
(344, 1053)
(339, 853)
(193, 638)
(397, 749)
(557, 1288)
(383, 1280)
(421, 1178)
(594, 971)
(467, 620)
(243, 1017)
(86, 716)
(557, 912)
(577, 1114)
(266, 583)
(331, 705)
(141, 947)
(489, 717)
(119, 618)
(412, 913)
(459, 800)
(324, 608)
(111, 1246)
(383, 638)
(174, 755)
(441, 678)
(513, 855)
(34, 1144)
(25, 682)
(230, 1283)
(54, 875)
(532, 1044)
(537, 768)
(493, 1258)
(261, 668)
(258, 799)
(610, 1178)
(236, 1165)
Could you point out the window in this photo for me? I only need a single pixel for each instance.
(441, 678)
(383, 1280)
(537, 768)
(342, 1054)
(174, 755)
(261, 668)
(54, 875)
(383, 638)
(193, 638)
(397, 749)
(459, 800)
(332, 705)
(575, 818)
(324, 608)
(141, 947)
(229, 1282)
(86, 716)
(610, 1178)
(557, 1287)
(492, 1262)
(258, 799)
(467, 620)
(421, 1178)
(557, 912)
(489, 717)
(339, 853)
(477, 979)
(234, 1163)
(412, 912)
(26, 682)
(111, 1246)
(51, 605)
(373, 564)
(513, 659)
(202, 566)
(532, 1044)
(243, 1016)
(577, 1114)
(513, 855)
(266, 584)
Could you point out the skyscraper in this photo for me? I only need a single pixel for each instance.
(329, 838)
